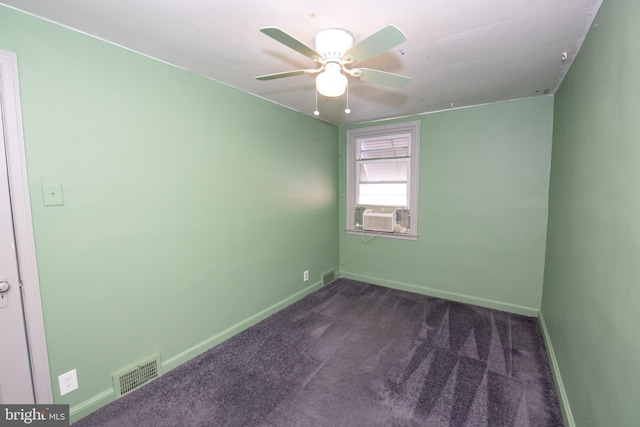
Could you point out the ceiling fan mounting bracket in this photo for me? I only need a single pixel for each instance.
(356, 72)
(333, 42)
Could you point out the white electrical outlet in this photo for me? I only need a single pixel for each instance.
(68, 382)
(306, 275)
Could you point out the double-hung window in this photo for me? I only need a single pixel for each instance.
(382, 175)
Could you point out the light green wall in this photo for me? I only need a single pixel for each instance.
(591, 301)
(189, 206)
(483, 191)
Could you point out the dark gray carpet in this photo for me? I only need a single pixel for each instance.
(355, 354)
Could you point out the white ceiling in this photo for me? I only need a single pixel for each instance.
(458, 52)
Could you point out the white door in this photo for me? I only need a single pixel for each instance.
(16, 385)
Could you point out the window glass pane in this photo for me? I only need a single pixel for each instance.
(383, 171)
(389, 147)
(383, 194)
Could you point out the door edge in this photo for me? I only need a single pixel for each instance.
(23, 227)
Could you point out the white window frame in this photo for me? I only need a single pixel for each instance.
(353, 135)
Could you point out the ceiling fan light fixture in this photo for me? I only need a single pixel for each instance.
(331, 82)
(334, 51)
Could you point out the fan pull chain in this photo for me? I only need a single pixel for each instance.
(347, 110)
(316, 112)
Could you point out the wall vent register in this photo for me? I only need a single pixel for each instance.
(135, 376)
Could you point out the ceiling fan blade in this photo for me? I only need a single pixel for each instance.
(385, 39)
(288, 74)
(383, 78)
(290, 41)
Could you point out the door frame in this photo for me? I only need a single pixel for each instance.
(23, 226)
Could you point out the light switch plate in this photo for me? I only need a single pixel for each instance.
(52, 194)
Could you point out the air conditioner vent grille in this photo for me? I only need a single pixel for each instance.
(379, 220)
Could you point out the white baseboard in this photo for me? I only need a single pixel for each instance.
(496, 305)
(557, 377)
(99, 400)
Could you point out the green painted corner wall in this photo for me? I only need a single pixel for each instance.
(483, 193)
(189, 206)
(591, 299)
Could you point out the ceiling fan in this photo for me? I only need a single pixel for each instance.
(334, 51)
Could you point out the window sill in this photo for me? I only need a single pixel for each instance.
(371, 234)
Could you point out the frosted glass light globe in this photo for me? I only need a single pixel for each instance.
(331, 82)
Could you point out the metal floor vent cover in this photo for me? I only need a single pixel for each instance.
(328, 277)
(134, 376)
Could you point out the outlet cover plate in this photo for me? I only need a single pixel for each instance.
(68, 382)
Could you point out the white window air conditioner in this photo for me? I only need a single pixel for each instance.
(379, 220)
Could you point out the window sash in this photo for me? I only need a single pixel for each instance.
(383, 182)
(384, 147)
(388, 170)
(383, 194)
